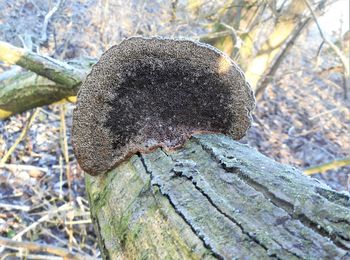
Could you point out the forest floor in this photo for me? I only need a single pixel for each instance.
(302, 119)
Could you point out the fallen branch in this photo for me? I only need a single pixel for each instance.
(328, 166)
(27, 90)
(57, 71)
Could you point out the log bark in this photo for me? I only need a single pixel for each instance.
(216, 198)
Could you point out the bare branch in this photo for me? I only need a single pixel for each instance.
(58, 80)
(27, 90)
(50, 68)
(44, 38)
(334, 47)
(289, 44)
(328, 166)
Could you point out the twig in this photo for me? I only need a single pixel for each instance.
(39, 257)
(64, 148)
(27, 42)
(49, 233)
(6, 256)
(235, 38)
(255, 19)
(174, 6)
(342, 57)
(44, 38)
(214, 35)
(14, 195)
(78, 222)
(23, 167)
(31, 246)
(22, 135)
(331, 111)
(328, 166)
(318, 54)
(64, 143)
(307, 132)
(331, 69)
(15, 207)
(103, 24)
(64, 207)
(61, 178)
(290, 43)
(329, 82)
(9, 73)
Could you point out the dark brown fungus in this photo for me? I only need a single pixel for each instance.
(154, 92)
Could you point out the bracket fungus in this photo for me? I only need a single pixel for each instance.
(154, 92)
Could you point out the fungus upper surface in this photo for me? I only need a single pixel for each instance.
(153, 92)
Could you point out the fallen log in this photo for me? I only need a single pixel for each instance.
(216, 198)
(155, 195)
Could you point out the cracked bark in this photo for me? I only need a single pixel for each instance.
(216, 198)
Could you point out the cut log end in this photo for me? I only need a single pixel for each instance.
(152, 92)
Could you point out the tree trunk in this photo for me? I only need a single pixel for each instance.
(216, 198)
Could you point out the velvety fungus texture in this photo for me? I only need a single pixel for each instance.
(154, 92)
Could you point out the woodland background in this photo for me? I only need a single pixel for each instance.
(298, 68)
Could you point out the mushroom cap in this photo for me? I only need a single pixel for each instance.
(155, 92)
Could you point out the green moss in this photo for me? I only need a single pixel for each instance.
(120, 226)
(100, 191)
